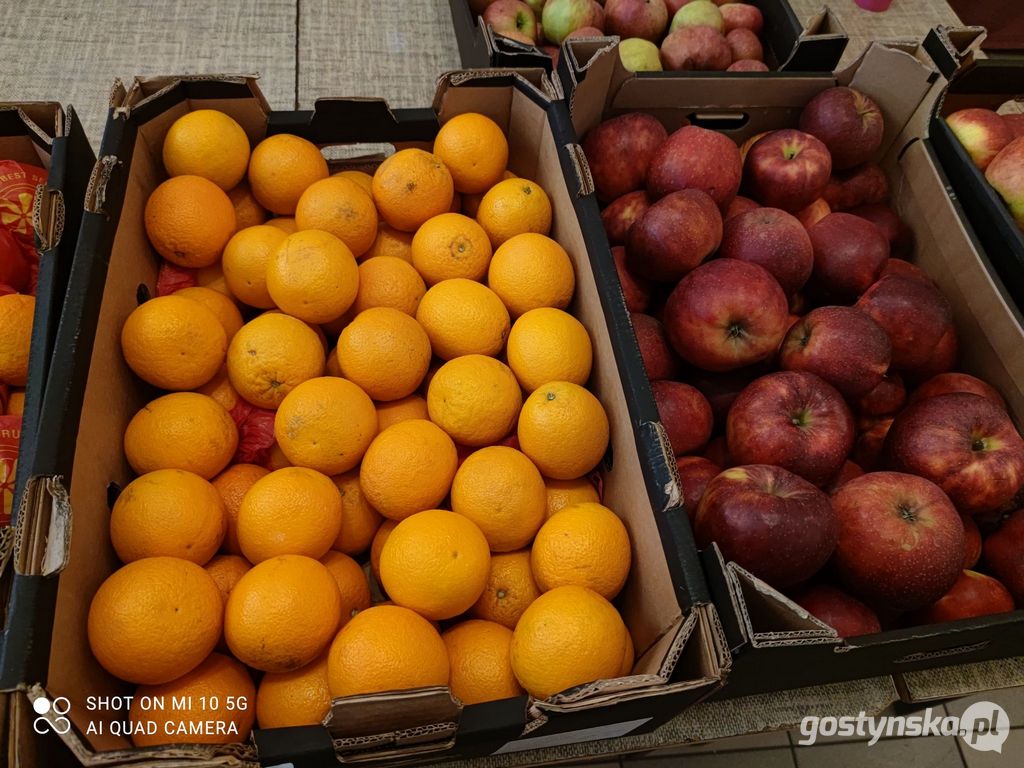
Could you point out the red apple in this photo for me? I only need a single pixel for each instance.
(741, 16)
(905, 268)
(1015, 123)
(773, 239)
(622, 213)
(597, 15)
(660, 362)
(901, 239)
(814, 213)
(900, 540)
(695, 48)
(685, 414)
(1006, 175)
(636, 290)
(849, 253)
(942, 360)
(746, 145)
(963, 443)
(695, 472)
(584, 32)
(722, 389)
(726, 314)
(740, 205)
(972, 541)
(1003, 554)
(619, 152)
(982, 132)
(512, 18)
(849, 123)
(885, 399)
(674, 235)
(636, 18)
(747, 65)
(846, 473)
(867, 451)
(865, 185)
(696, 158)
(698, 13)
(974, 594)
(718, 453)
(914, 313)
(841, 345)
(847, 615)
(788, 169)
(945, 383)
(745, 45)
(794, 420)
(769, 521)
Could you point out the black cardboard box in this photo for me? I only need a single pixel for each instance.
(666, 602)
(776, 645)
(790, 46)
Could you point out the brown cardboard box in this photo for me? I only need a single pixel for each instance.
(665, 603)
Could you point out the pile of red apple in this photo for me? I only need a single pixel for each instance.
(995, 144)
(693, 34)
(804, 370)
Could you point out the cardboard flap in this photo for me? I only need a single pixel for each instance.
(953, 47)
(147, 89)
(96, 191)
(43, 533)
(823, 39)
(404, 717)
(504, 51)
(536, 82)
(961, 680)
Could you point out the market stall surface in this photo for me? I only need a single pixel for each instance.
(70, 52)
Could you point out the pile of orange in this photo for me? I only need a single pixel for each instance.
(434, 437)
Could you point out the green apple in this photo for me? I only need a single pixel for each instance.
(560, 17)
(639, 55)
(699, 13)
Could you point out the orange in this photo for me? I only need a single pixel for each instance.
(530, 271)
(567, 637)
(226, 571)
(246, 257)
(549, 345)
(294, 698)
(509, 590)
(16, 315)
(479, 654)
(463, 317)
(291, 511)
(325, 424)
(140, 606)
(282, 614)
(183, 430)
(189, 220)
(394, 411)
(410, 187)
(451, 245)
(584, 545)
(168, 512)
(248, 212)
(276, 459)
(456, 206)
(363, 179)
(388, 281)
(207, 143)
(408, 468)
(471, 204)
(391, 242)
(232, 484)
(270, 356)
(436, 563)
(563, 428)
(386, 648)
(565, 493)
(343, 208)
(628, 656)
(352, 584)
(174, 342)
(475, 150)
(384, 351)
(219, 706)
(512, 207)
(212, 277)
(379, 540)
(281, 168)
(285, 223)
(500, 490)
(359, 520)
(220, 389)
(16, 404)
(313, 276)
(475, 399)
(221, 305)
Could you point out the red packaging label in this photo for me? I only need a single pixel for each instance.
(10, 436)
(18, 184)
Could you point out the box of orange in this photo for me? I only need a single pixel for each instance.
(501, 523)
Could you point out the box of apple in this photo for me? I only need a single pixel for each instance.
(805, 370)
(703, 35)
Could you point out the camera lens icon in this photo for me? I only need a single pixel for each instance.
(57, 708)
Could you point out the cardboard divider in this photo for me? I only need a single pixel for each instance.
(665, 603)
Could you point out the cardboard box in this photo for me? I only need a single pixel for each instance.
(776, 645)
(789, 45)
(665, 603)
(991, 84)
